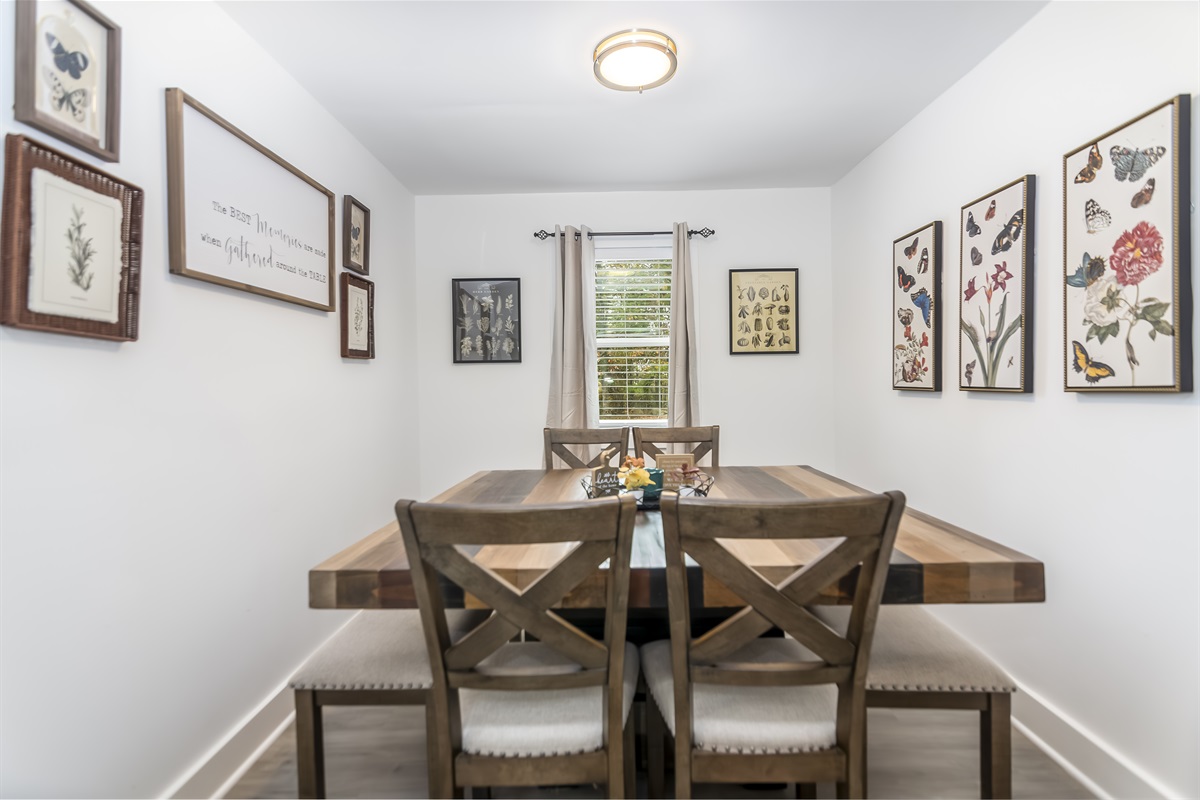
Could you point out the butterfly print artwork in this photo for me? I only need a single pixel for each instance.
(1087, 272)
(1095, 162)
(923, 301)
(991, 212)
(1132, 164)
(72, 63)
(905, 315)
(923, 264)
(911, 250)
(1092, 371)
(1010, 232)
(75, 101)
(904, 280)
(1096, 217)
(972, 226)
(976, 257)
(1141, 198)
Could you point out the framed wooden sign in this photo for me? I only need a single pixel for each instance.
(68, 67)
(71, 245)
(357, 317)
(916, 309)
(241, 216)
(762, 312)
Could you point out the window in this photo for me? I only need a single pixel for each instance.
(633, 327)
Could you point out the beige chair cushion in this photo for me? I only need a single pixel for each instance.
(377, 650)
(540, 723)
(749, 719)
(915, 652)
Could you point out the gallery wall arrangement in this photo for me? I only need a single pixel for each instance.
(916, 310)
(763, 315)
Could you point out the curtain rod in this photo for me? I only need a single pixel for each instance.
(704, 232)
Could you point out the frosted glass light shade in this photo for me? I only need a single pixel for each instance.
(633, 60)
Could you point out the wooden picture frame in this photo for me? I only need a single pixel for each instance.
(916, 310)
(70, 245)
(763, 311)
(996, 247)
(486, 318)
(1127, 295)
(240, 216)
(356, 236)
(357, 317)
(68, 74)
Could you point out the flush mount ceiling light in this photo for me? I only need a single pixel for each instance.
(633, 60)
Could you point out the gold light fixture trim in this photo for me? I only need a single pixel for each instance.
(635, 60)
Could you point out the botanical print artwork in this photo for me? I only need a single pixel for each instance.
(1122, 257)
(915, 287)
(763, 311)
(487, 320)
(357, 322)
(69, 70)
(995, 264)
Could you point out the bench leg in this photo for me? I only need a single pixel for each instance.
(995, 747)
(310, 745)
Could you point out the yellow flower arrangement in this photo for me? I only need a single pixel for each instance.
(633, 473)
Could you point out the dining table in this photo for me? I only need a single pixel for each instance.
(933, 561)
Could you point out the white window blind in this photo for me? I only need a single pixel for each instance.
(633, 326)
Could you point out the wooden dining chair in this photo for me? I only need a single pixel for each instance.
(572, 445)
(746, 709)
(705, 440)
(526, 713)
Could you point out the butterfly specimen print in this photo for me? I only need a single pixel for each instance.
(1096, 217)
(1095, 162)
(1141, 198)
(75, 101)
(923, 264)
(991, 212)
(905, 315)
(1087, 273)
(923, 301)
(969, 371)
(1132, 164)
(976, 257)
(973, 228)
(72, 63)
(1010, 232)
(904, 280)
(911, 250)
(1093, 371)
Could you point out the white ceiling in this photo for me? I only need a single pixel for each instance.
(499, 97)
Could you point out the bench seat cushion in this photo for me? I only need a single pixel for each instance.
(913, 651)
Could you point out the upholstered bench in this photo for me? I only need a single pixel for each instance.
(919, 662)
(378, 659)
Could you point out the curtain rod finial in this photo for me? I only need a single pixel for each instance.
(543, 234)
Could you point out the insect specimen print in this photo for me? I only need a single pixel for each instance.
(904, 280)
(1096, 217)
(973, 228)
(923, 301)
(1141, 198)
(72, 63)
(1087, 273)
(991, 211)
(976, 257)
(1094, 163)
(911, 250)
(1132, 164)
(75, 101)
(1093, 371)
(1011, 231)
(905, 315)
(923, 264)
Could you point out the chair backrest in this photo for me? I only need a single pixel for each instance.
(605, 443)
(705, 440)
(867, 528)
(438, 537)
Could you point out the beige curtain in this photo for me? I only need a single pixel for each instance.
(574, 380)
(682, 387)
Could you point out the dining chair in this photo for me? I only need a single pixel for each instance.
(743, 708)
(610, 441)
(378, 658)
(706, 440)
(526, 713)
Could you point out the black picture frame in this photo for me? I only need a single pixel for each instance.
(486, 320)
(916, 309)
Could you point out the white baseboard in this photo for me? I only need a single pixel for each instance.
(1102, 770)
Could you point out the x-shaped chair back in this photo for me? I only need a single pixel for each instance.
(609, 442)
(866, 527)
(705, 438)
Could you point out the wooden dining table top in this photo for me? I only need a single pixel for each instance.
(933, 561)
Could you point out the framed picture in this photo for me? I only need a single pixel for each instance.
(487, 320)
(358, 317)
(995, 336)
(241, 216)
(72, 245)
(68, 68)
(916, 310)
(762, 312)
(356, 236)
(1127, 257)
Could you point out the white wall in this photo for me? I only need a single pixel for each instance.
(1103, 489)
(771, 409)
(164, 499)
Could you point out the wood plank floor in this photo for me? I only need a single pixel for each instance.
(380, 752)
